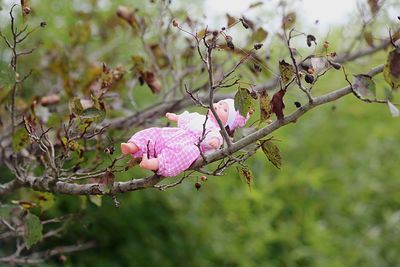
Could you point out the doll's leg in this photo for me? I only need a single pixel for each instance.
(149, 164)
(129, 148)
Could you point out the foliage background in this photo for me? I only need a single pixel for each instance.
(335, 202)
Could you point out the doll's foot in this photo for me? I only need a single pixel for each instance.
(149, 164)
(128, 148)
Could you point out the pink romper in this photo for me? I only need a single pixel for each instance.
(175, 147)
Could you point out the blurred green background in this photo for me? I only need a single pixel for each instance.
(335, 202)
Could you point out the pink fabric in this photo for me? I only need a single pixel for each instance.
(239, 121)
(175, 147)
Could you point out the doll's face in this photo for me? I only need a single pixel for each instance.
(222, 109)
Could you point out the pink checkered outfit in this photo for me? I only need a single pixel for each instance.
(176, 147)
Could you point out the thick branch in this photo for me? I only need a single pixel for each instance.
(41, 256)
(9, 187)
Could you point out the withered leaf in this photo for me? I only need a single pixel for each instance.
(246, 174)
(277, 104)
(265, 106)
(311, 38)
(369, 38)
(161, 58)
(128, 15)
(364, 85)
(391, 71)
(272, 152)
(289, 20)
(152, 81)
(286, 71)
(230, 20)
(259, 35)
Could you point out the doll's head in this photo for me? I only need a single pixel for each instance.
(228, 115)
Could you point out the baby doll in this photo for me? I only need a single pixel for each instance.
(171, 150)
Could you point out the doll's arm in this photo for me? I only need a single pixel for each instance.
(214, 139)
(172, 116)
(214, 142)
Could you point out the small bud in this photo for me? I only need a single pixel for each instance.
(141, 80)
(223, 29)
(43, 24)
(26, 10)
(310, 71)
(326, 44)
(297, 104)
(309, 78)
(253, 94)
(175, 23)
(229, 42)
(334, 64)
(257, 46)
(203, 178)
(197, 185)
(62, 258)
(109, 150)
(215, 33)
(333, 54)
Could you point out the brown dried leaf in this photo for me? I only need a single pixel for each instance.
(277, 104)
(128, 15)
(289, 20)
(230, 20)
(152, 81)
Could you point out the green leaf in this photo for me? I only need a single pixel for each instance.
(246, 174)
(364, 85)
(259, 35)
(265, 106)
(20, 139)
(243, 101)
(286, 71)
(391, 71)
(96, 199)
(33, 230)
(272, 152)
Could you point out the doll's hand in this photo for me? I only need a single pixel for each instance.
(214, 143)
(172, 116)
